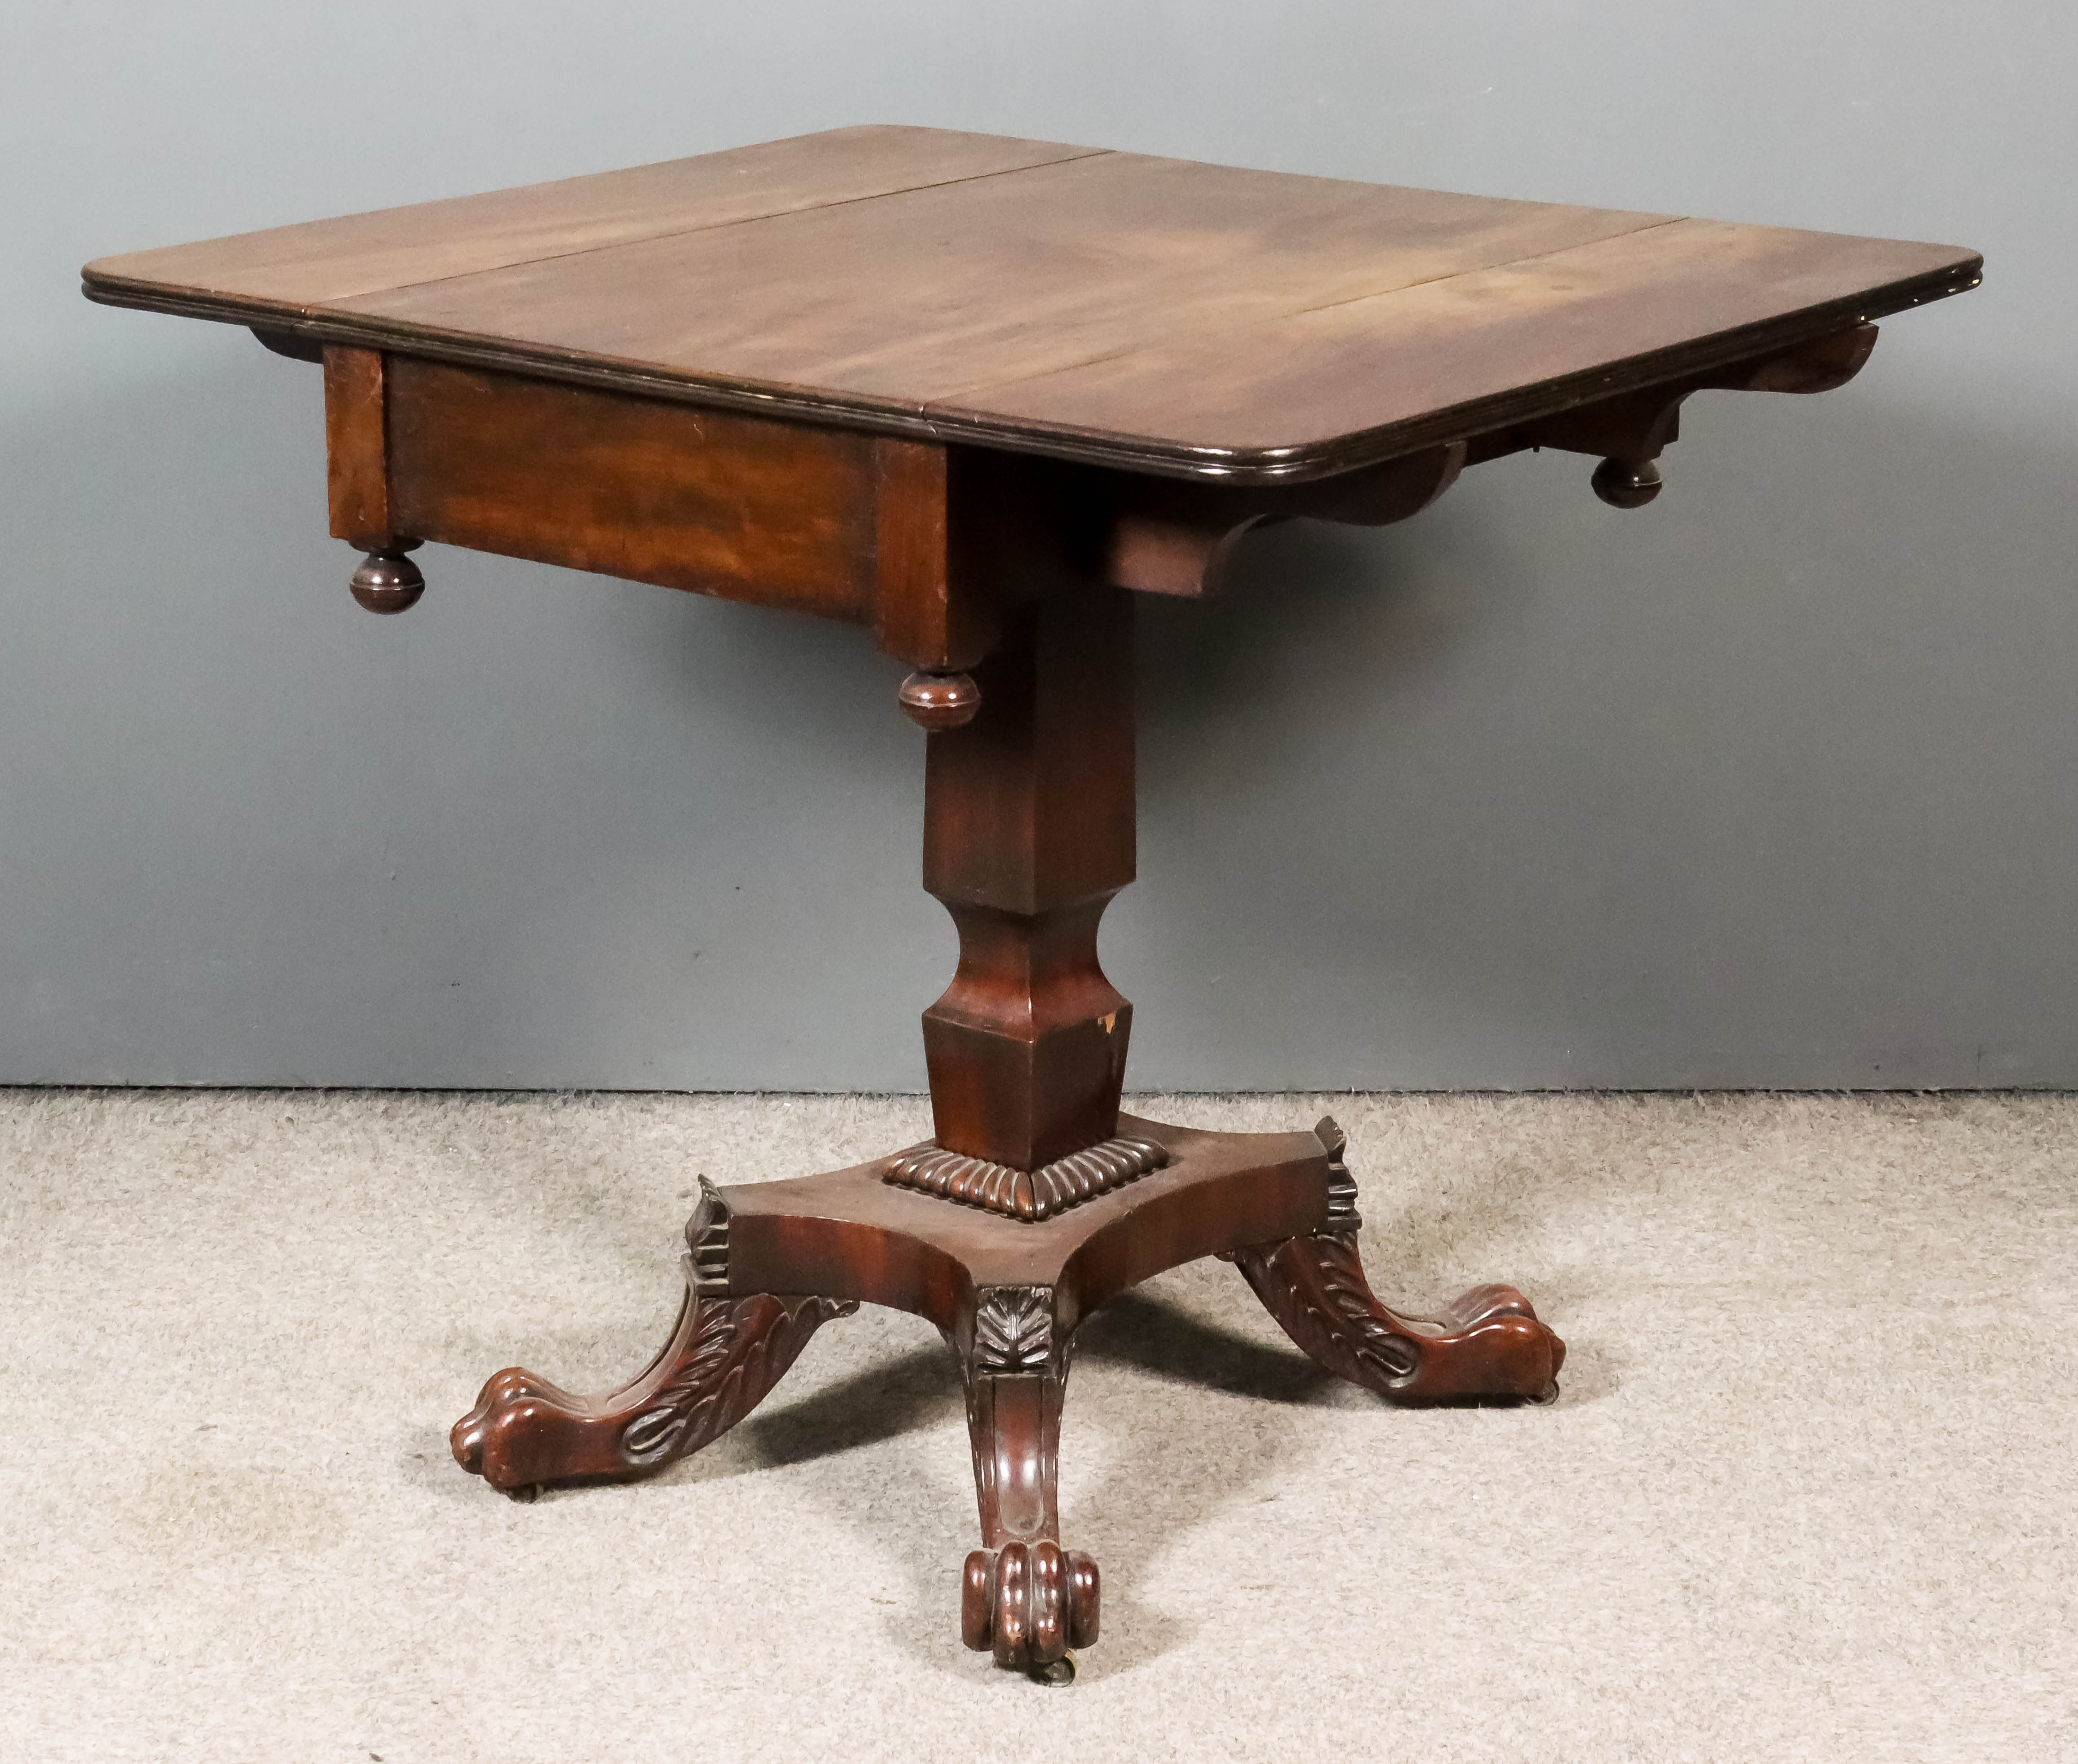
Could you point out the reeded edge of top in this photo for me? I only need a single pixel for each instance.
(1296, 463)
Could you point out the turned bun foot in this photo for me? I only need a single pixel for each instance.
(1626, 483)
(940, 701)
(1029, 1603)
(387, 581)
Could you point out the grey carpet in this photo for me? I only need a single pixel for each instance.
(1809, 1493)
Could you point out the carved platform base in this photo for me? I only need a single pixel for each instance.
(769, 1262)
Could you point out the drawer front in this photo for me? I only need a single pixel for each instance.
(741, 506)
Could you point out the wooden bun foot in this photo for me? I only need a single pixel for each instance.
(940, 701)
(1626, 483)
(387, 581)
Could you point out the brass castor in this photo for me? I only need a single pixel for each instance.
(1058, 1674)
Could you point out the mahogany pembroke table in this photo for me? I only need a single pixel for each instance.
(976, 393)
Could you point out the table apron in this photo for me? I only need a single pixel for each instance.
(745, 507)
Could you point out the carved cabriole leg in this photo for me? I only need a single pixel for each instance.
(1486, 1343)
(726, 1352)
(1024, 1598)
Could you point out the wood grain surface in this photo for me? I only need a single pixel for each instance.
(1028, 836)
(316, 261)
(1452, 355)
(357, 470)
(919, 297)
(1156, 315)
(712, 501)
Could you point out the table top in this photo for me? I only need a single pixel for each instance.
(1159, 315)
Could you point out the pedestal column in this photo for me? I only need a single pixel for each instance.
(1028, 833)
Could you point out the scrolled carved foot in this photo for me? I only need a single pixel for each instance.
(725, 1354)
(1486, 1343)
(1029, 1602)
(1023, 1598)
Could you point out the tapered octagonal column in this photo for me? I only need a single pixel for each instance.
(1028, 833)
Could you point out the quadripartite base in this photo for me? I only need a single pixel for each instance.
(769, 1262)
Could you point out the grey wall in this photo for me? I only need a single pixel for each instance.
(1772, 784)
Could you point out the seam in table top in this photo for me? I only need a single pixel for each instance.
(948, 408)
(1212, 332)
(717, 226)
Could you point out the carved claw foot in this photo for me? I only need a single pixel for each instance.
(1029, 1603)
(1487, 1343)
(725, 1354)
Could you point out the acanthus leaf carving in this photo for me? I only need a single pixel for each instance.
(1342, 1215)
(706, 1243)
(1013, 1329)
(738, 1349)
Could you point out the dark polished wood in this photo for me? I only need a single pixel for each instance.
(292, 344)
(1626, 483)
(357, 453)
(769, 1262)
(286, 270)
(723, 1356)
(1023, 1597)
(1039, 1193)
(1028, 834)
(938, 603)
(1486, 1343)
(388, 581)
(940, 701)
(1112, 308)
(1631, 430)
(734, 506)
(1007, 1293)
(972, 395)
(937, 547)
